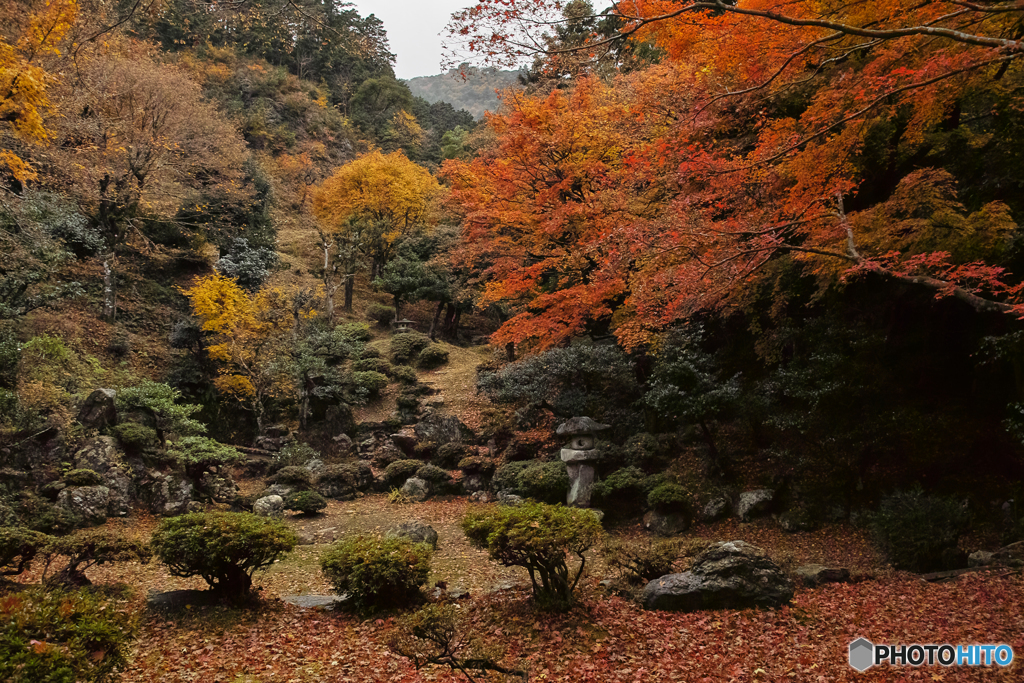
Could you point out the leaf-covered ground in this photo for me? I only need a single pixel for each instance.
(606, 638)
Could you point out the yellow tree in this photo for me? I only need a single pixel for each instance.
(251, 334)
(374, 202)
(24, 82)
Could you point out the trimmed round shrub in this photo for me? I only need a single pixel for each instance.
(622, 493)
(134, 436)
(40, 514)
(919, 532)
(433, 356)
(441, 479)
(224, 548)
(397, 472)
(369, 383)
(640, 561)
(406, 346)
(293, 475)
(355, 333)
(18, 547)
(370, 352)
(83, 477)
(342, 481)
(372, 365)
(404, 374)
(62, 636)
(539, 538)
(477, 464)
(377, 572)
(381, 314)
(306, 502)
(449, 455)
(407, 401)
(669, 498)
(544, 481)
(293, 454)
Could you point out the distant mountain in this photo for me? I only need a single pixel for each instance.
(475, 93)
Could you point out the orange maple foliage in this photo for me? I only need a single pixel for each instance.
(756, 131)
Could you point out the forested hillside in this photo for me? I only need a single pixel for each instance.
(698, 356)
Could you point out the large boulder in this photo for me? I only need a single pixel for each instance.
(406, 440)
(441, 429)
(168, 494)
(733, 575)
(269, 506)
(417, 532)
(715, 509)
(665, 523)
(99, 410)
(817, 574)
(99, 455)
(87, 502)
(121, 489)
(754, 503)
(416, 489)
(218, 486)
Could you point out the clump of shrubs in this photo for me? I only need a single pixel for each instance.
(133, 436)
(343, 480)
(623, 493)
(919, 532)
(476, 464)
(441, 479)
(378, 573)
(397, 472)
(82, 477)
(293, 454)
(406, 346)
(197, 454)
(293, 475)
(305, 502)
(224, 548)
(63, 636)
(451, 454)
(18, 547)
(540, 538)
(372, 365)
(368, 384)
(403, 374)
(544, 481)
(638, 562)
(669, 498)
(432, 356)
(381, 314)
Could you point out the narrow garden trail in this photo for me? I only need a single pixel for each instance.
(457, 383)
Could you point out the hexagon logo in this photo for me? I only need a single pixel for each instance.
(862, 654)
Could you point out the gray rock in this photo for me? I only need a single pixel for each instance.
(120, 485)
(665, 524)
(733, 575)
(441, 429)
(312, 601)
(305, 537)
(314, 466)
(482, 497)
(282, 490)
(406, 440)
(99, 410)
(715, 509)
(597, 513)
(473, 483)
(323, 536)
(580, 425)
(88, 502)
(417, 532)
(98, 454)
(416, 489)
(980, 558)
(581, 482)
(269, 506)
(167, 494)
(218, 487)
(754, 503)
(344, 443)
(817, 574)
(505, 498)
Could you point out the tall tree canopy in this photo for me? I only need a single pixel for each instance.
(831, 134)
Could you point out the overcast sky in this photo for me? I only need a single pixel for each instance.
(414, 28)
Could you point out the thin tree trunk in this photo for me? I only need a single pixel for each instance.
(350, 283)
(398, 307)
(109, 288)
(455, 324)
(510, 351)
(433, 323)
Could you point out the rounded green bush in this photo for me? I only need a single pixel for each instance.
(476, 464)
(55, 635)
(406, 346)
(224, 548)
(89, 548)
(397, 472)
(433, 356)
(134, 436)
(353, 332)
(449, 455)
(404, 374)
(669, 498)
(294, 453)
(377, 572)
(544, 481)
(293, 475)
(344, 479)
(381, 314)
(306, 502)
(621, 493)
(372, 365)
(440, 478)
(18, 547)
(369, 383)
(918, 532)
(82, 477)
(197, 454)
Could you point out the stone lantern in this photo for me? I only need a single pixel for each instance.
(579, 455)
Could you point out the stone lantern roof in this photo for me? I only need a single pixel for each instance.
(580, 425)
